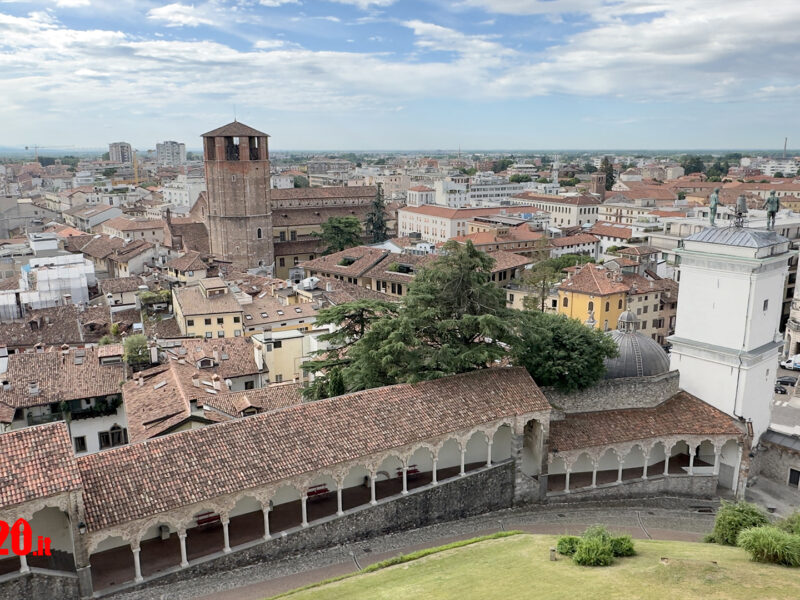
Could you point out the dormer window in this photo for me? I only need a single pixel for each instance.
(205, 363)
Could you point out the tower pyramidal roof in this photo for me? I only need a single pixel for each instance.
(235, 129)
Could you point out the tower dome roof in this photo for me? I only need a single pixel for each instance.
(639, 355)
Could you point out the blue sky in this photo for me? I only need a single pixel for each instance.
(403, 74)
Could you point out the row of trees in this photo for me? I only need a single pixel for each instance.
(340, 233)
(453, 320)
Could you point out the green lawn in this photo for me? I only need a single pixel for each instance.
(519, 567)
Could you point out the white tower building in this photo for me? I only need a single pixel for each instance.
(791, 345)
(726, 343)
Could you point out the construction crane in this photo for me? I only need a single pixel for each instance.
(37, 146)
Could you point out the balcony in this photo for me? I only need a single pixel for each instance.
(41, 419)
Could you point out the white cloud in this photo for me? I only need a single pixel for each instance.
(366, 4)
(179, 15)
(72, 3)
(276, 3)
(269, 44)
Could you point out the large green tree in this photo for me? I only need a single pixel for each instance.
(607, 167)
(135, 351)
(545, 274)
(375, 224)
(692, 164)
(560, 352)
(340, 233)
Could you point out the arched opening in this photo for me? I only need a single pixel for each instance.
(321, 497)
(160, 548)
(258, 233)
(679, 458)
(705, 455)
(477, 452)
(532, 448)
(204, 535)
(448, 460)
(556, 474)
(355, 488)
(655, 459)
(389, 478)
(112, 563)
(420, 468)
(581, 472)
(607, 467)
(633, 464)
(286, 511)
(728, 464)
(501, 444)
(53, 523)
(247, 521)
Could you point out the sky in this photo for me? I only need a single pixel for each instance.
(403, 74)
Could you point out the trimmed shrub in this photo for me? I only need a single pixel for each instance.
(709, 539)
(733, 518)
(769, 544)
(597, 531)
(567, 544)
(622, 546)
(593, 552)
(791, 523)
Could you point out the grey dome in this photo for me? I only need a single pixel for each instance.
(639, 355)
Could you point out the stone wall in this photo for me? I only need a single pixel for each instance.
(477, 493)
(39, 584)
(610, 394)
(695, 486)
(774, 462)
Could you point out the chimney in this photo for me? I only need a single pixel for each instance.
(195, 380)
(215, 354)
(328, 286)
(216, 380)
(33, 388)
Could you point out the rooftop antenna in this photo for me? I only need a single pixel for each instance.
(785, 141)
(234, 113)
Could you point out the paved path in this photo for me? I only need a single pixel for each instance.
(262, 581)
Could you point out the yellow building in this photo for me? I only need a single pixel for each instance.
(186, 269)
(207, 310)
(594, 293)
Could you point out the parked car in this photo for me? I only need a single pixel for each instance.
(787, 380)
(779, 389)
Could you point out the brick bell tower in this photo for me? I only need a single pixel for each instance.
(239, 218)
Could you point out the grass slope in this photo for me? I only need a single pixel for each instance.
(519, 567)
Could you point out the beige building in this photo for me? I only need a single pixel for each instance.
(187, 269)
(207, 310)
(565, 211)
(439, 224)
(149, 230)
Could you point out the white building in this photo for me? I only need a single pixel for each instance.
(486, 189)
(170, 154)
(565, 211)
(278, 181)
(450, 193)
(184, 190)
(726, 343)
(420, 195)
(787, 166)
(120, 152)
(439, 224)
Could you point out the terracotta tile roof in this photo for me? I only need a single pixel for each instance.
(235, 129)
(88, 210)
(639, 251)
(413, 261)
(57, 325)
(573, 240)
(193, 302)
(110, 350)
(682, 414)
(286, 217)
(508, 260)
(622, 261)
(204, 463)
(121, 284)
(193, 235)
(135, 224)
(364, 258)
(272, 397)
(191, 261)
(130, 250)
(343, 291)
(521, 233)
(582, 200)
(264, 311)
(64, 231)
(596, 280)
(420, 188)
(36, 462)
(614, 230)
(59, 376)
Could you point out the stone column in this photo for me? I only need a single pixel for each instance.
(594, 475)
(489, 454)
(372, 499)
(666, 461)
(267, 534)
(691, 461)
(23, 564)
(644, 470)
(717, 458)
(225, 535)
(434, 481)
(566, 481)
(463, 453)
(405, 480)
(739, 493)
(137, 565)
(339, 510)
(619, 472)
(182, 538)
(303, 499)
